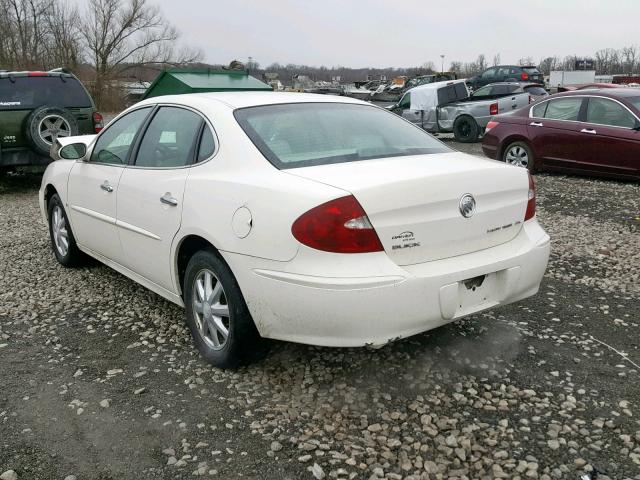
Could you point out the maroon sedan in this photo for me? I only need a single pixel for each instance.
(594, 132)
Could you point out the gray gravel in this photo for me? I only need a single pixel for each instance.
(99, 379)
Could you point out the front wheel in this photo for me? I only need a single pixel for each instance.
(62, 240)
(220, 323)
(466, 130)
(519, 154)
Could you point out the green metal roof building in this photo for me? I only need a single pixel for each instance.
(174, 82)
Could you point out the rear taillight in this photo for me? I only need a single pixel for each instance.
(524, 76)
(493, 109)
(339, 226)
(531, 203)
(98, 124)
(491, 125)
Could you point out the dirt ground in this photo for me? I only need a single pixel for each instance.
(99, 380)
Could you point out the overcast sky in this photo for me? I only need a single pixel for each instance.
(400, 33)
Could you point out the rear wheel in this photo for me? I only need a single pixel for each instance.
(466, 130)
(220, 323)
(62, 240)
(519, 154)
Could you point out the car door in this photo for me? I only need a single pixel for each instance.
(554, 132)
(404, 105)
(151, 192)
(93, 186)
(611, 142)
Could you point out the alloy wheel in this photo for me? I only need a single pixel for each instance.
(60, 232)
(211, 309)
(517, 156)
(53, 126)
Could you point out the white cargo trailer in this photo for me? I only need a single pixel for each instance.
(560, 78)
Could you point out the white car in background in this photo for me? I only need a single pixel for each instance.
(312, 219)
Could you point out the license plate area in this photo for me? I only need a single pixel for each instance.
(476, 291)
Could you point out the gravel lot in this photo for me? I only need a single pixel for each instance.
(99, 379)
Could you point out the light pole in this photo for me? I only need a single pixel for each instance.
(442, 57)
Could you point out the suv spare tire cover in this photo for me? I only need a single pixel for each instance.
(38, 134)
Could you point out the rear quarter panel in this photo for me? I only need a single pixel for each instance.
(239, 176)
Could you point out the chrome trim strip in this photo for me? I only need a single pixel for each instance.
(93, 214)
(138, 230)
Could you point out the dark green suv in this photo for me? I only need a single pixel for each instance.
(38, 107)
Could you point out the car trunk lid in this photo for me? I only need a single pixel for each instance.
(414, 202)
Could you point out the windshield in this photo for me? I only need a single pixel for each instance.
(30, 92)
(304, 134)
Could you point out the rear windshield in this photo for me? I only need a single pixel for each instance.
(536, 90)
(533, 70)
(304, 134)
(30, 92)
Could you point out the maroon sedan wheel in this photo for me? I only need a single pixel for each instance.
(519, 154)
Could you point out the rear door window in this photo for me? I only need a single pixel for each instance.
(564, 109)
(32, 92)
(170, 139)
(607, 112)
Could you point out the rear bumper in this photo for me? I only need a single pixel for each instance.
(381, 301)
(20, 158)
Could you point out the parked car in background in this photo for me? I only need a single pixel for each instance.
(309, 218)
(36, 108)
(506, 73)
(594, 132)
(535, 91)
(445, 107)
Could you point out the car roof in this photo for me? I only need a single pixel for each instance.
(603, 92)
(249, 99)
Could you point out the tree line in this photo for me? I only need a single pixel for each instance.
(107, 36)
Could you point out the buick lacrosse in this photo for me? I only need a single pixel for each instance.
(313, 219)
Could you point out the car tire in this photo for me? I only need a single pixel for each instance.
(210, 288)
(465, 129)
(519, 154)
(63, 242)
(45, 124)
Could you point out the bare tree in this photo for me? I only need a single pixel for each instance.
(481, 62)
(119, 34)
(496, 60)
(64, 45)
(629, 55)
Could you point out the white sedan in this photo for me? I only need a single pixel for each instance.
(312, 219)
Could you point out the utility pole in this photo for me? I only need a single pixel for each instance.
(442, 57)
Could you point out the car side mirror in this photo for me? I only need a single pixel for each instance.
(73, 151)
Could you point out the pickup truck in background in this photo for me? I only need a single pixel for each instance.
(446, 107)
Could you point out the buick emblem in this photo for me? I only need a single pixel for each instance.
(467, 205)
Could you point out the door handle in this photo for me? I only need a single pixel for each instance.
(168, 199)
(589, 130)
(106, 187)
(536, 124)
